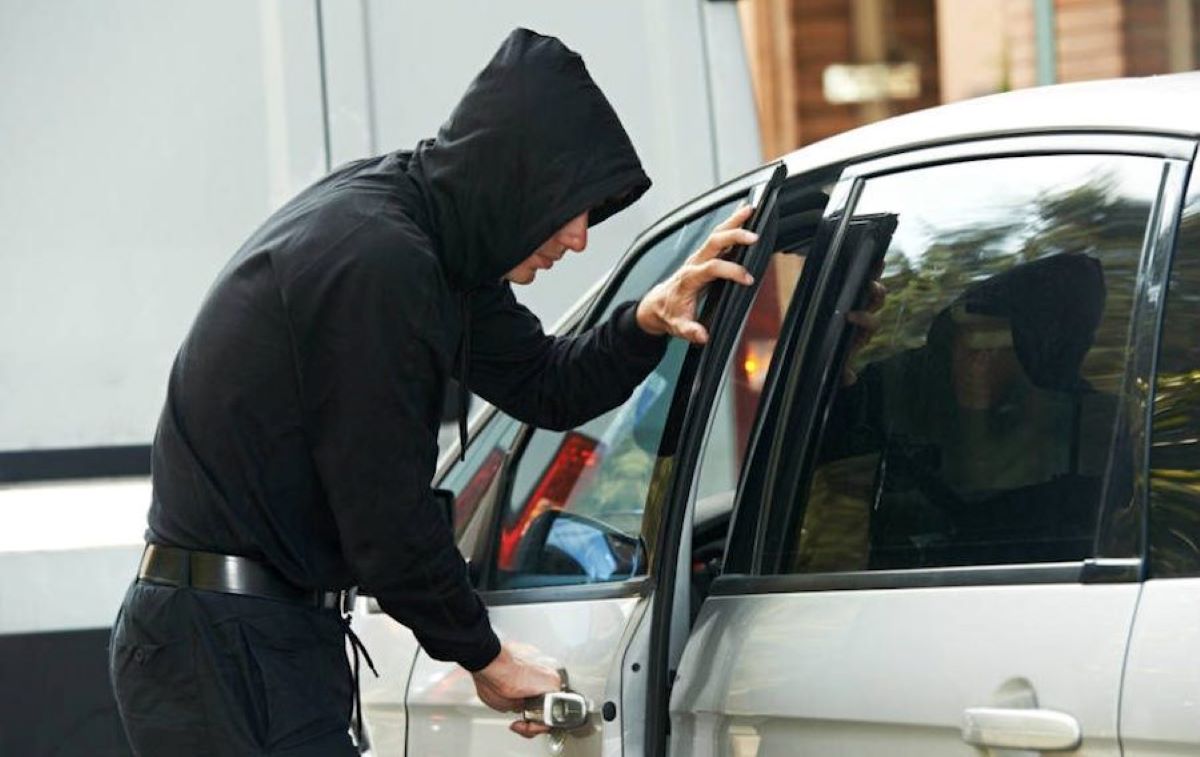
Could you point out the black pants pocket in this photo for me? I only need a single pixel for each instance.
(153, 677)
(289, 670)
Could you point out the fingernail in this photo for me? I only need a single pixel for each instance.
(749, 279)
(753, 236)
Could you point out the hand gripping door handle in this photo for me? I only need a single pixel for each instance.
(565, 709)
(1005, 728)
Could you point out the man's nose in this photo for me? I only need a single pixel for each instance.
(575, 239)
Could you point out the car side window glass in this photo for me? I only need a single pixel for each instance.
(741, 390)
(982, 428)
(734, 413)
(799, 209)
(578, 507)
(1175, 446)
(473, 479)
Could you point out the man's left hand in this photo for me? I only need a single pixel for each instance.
(670, 307)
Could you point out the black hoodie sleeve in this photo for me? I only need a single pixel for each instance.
(373, 377)
(555, 382)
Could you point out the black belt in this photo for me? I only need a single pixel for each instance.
(230, 574)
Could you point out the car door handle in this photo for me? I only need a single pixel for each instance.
(563, 710)
(1005, 728)
(558, 709)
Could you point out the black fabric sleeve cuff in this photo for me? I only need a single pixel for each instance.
(633, 338)
(487, 652)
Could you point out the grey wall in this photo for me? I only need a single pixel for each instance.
(142, 140)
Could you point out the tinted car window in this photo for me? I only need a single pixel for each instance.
(578, 508)
(1175, 450)
(737, 403)
(982, 428)
(473, 479)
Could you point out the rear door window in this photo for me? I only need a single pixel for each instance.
(984, 426)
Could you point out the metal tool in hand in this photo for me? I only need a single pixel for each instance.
(563, 709)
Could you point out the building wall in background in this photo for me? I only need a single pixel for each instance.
(990, 45)
(141, 142)
(964, 48)
(793, 43)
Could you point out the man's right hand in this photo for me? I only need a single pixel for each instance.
(508, 681)
(671, 306)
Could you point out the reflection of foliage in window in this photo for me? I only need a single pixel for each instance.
(1175, 455)
(1093, 218)
(615, 491)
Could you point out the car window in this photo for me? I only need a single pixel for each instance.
(578, 506)
(733, 416)
(741, 390)
(471, 479)
(982, 428)
(1175, 449)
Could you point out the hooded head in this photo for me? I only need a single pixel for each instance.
(1046, 311)
(532, 144)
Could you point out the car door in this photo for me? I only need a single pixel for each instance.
(1162, 677)
(560, 528)
(944, 555)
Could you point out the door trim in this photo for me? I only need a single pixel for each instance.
(634, 587)
(968, 575)
(1078, 143)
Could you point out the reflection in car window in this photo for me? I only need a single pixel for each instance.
(733, 414)
(981, 425)
(472, 481)
(799, 209)
(1175, 450)
(578, 506)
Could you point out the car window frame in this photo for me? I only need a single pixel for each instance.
(1190, 197)
(746, 572)
(712, 375)
(586, 318)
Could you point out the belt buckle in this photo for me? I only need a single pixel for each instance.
(346, 599)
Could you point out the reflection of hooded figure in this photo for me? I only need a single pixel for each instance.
(993, 404)
(302, 410)
(995, 387)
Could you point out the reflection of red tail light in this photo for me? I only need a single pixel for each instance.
(756, 359)
(575, 455)
(472, 493)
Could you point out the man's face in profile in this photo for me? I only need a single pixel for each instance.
(572, 236)
(983, 364)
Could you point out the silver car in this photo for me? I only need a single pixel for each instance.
(973, 526)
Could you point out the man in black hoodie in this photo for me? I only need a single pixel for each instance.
(295, 450)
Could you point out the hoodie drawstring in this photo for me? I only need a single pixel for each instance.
(464, 357)
(359, 649)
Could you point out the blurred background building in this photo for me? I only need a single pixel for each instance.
(823, 66)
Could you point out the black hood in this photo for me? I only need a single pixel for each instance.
(532, 144)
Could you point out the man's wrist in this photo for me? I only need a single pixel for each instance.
(485, 656)
(646, 320)
(498, 661)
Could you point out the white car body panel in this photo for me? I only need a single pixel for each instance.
(585, 637)
(393, 649)
(1160, 706)
(890, 672)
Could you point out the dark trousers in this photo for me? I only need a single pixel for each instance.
(202, 673)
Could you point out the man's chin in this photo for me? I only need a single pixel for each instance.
(521, 277)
